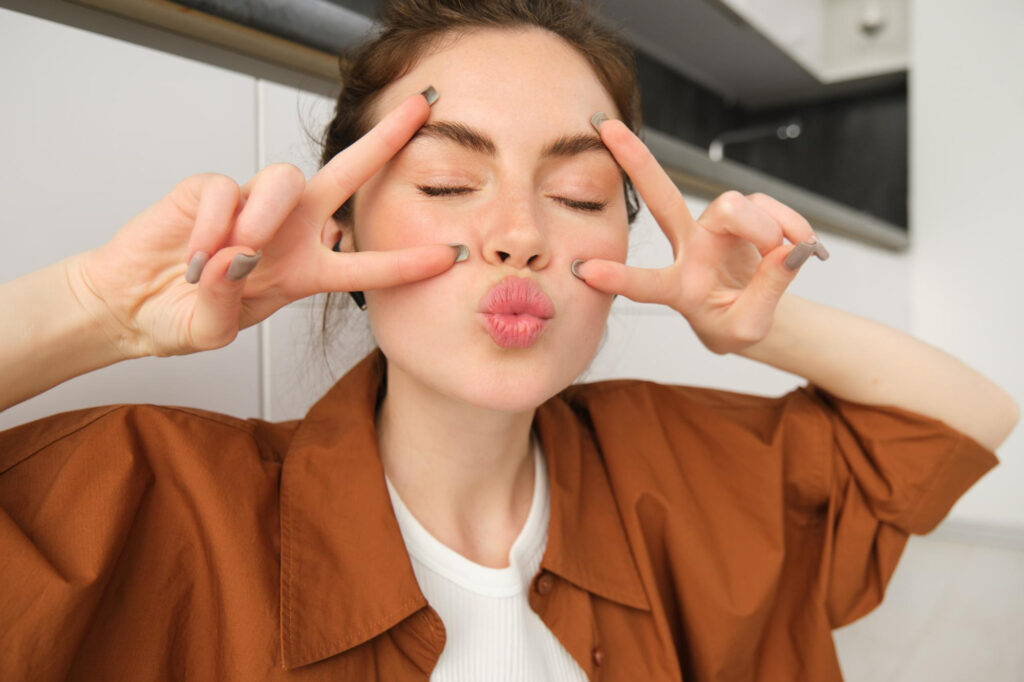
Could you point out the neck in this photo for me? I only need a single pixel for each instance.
(465, 472)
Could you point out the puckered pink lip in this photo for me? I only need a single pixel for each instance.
(515, 312)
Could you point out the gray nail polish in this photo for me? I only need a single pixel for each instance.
(242, 265)
(431, 94)
(597, 119)
(574, 269)
(820, 251)
(461, 252)
(195, 266)
(800, 253)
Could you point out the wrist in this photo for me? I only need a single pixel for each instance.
(105, 337)
(780, 347)
(52, 331)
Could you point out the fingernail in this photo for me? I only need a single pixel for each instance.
(820, 251)
(574, 268)
(242, 265)
(461, 252)
(195, 266)
(431, 94)
(597, 119)
(800, 253)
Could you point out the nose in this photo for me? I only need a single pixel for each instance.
(517, 238)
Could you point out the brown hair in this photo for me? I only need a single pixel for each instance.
(411, 28)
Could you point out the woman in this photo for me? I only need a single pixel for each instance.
(453, 508)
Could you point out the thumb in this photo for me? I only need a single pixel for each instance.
(215, 319)
(778, 269)
(365, 270)
(638, 284)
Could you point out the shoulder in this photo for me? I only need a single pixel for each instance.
(669, 406)
(632, 389)
(666, 438)
(143, 428)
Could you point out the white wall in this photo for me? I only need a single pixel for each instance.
(95, 128)
(967, 226)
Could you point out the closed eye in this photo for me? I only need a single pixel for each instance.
(592, 206)
(442, 191)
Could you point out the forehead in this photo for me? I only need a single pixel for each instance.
(517, 84)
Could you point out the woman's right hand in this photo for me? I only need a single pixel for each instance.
(135, 285)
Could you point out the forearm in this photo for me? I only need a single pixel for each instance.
(48, 334)
(867, 362)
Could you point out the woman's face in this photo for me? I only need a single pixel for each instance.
(524, 212)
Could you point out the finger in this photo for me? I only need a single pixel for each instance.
(642, 285)
(794, 225)
(215, 198)
(657, 189)
(756, 304)
(333, 184)
(699, 269)
(731, 213)
(215, 317)
(270, 196)
(366, 270)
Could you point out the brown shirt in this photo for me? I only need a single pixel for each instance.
(695, 534)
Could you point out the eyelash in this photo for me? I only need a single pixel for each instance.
(589, 206)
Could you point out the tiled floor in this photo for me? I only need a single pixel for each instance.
(953, 612)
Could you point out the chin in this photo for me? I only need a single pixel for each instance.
(493, 378)
(508, 389)
(457, 359)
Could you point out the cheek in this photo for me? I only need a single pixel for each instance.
(616, 245)
(384, 220)
(398, 222)
(608, 241)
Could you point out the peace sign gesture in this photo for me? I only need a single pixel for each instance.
(731, 265)
(176, 278)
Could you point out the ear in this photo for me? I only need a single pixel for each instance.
(334, 230)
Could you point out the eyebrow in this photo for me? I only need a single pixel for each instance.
(477, 141)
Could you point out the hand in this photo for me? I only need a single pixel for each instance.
(135, 285)
(728, 274)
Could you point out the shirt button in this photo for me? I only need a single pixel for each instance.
(598, 655)
(544, 583)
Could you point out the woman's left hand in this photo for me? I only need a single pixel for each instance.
(728, 274)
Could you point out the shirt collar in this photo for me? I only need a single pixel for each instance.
(345, 574)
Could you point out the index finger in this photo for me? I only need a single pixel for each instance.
(366, 270)
(339, 179)
(661, 195)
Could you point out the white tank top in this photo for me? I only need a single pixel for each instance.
(492, 633)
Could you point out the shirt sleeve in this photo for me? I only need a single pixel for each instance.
(70, 488)
(857, 479)
(889, 473)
